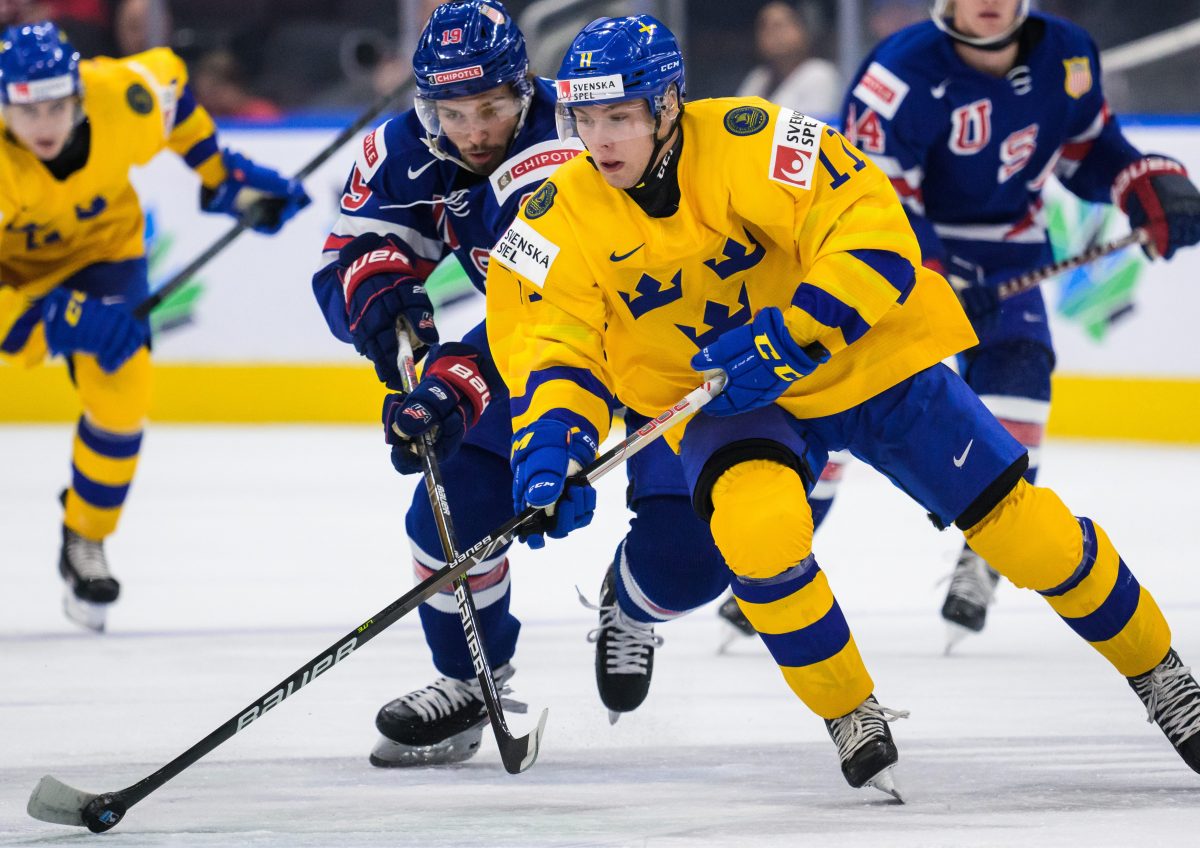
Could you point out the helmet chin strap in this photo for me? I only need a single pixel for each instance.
(659, 143)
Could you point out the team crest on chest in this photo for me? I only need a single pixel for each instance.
(1078, 81)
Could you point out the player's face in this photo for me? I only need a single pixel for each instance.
(620, 137)
(481, 126)
(43, 127)
(984, 18)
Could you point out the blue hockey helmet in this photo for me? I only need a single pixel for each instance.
(942, 13)
(37, 63)
(469, 47)
(618, 59)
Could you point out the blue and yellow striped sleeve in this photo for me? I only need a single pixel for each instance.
(864, 252)
(191, 131)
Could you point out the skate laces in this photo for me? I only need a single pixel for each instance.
(447, 695)
(629, 643)
(864, 723)
(86, 557)
(971, 580)
(1172, 699)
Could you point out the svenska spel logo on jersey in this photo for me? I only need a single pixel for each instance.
(457, 75)
(590, 89)
(1079, 76)
(797, 143)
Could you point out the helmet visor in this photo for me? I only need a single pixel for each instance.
(460, 116)
(604, 123)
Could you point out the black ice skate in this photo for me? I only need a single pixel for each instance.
(1172, 699)
(624, 652)
(90, 587)
(739, 626)
(865, 746)
(972, 587)
(439, 724)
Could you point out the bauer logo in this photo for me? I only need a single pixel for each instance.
(457, 75)
(797, 143)
(745, 120)
(526, 251)
(282, 693)
(882, 90)
(590, 89)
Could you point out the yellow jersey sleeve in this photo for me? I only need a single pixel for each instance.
(12, 306)
(841, 213)
(189, 130)
(546, 322)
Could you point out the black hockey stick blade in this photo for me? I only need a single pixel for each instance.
(519, 755)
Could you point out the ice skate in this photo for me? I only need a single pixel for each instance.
(972, 588)
(865, 746)
(1172, 699)
(624, 652)
(739, 626)
(90, 588)
(440, 724)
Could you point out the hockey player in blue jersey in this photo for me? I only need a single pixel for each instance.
(969, 115)
(448, 177)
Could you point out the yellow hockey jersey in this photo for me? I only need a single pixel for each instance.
(589, 297)
(50, 229)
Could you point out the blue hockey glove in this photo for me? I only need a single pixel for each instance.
(1155, 193)
(452, 395)
(377, 278)
(979, 300)
(545, 454)
(76, 323)
(261, 197)
(761, 360)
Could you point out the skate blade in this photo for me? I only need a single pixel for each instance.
(456, 749)
(613, 715)
(955, 633)
(84, 613)
(731, 634)
(885, 781)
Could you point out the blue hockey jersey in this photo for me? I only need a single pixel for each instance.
(431, 206)
(969, 153)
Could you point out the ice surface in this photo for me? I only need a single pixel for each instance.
(246, 551)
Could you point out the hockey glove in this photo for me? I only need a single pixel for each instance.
(452, 395)
(377, 278)
(260, 197)
(545, 454)
(1155, 193)
(761, 360)
(76, 323)
(979, 300)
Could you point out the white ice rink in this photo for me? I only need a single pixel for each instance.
(246, 551)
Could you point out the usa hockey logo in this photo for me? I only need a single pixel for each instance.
(1079, 76)
(797, 142)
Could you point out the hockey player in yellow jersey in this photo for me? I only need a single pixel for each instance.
(739, 236)
(72, 252)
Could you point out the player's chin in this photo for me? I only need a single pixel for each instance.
(484, 161)
(617, 174)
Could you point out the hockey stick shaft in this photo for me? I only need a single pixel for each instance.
(1031, 279)
(516, 754)
(181, 277)
(56, 802)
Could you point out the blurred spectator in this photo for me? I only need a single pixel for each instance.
(141, 24)
(789, 74)
(888, 16)
(220, 87)
(14, 12)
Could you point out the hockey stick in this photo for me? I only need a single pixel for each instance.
(168, 288)
(516, 754)
(1031, 279)
(56, 802)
